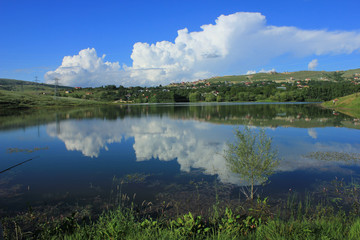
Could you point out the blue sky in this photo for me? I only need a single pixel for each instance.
(37, 35)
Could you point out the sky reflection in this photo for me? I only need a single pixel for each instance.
(195, 144)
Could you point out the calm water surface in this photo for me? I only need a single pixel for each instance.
(87, 157)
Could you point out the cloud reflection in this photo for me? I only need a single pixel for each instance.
(193, 144)
(312, 133)
(88, 137)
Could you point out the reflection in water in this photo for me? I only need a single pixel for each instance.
(193, 144)
(312, 133)
(156, 141)
(87, 136)
(9, 168)
(197, 144)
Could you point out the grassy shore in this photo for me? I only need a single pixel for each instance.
(24, 100)
(349, 105)
(332, 213)
(126, 223)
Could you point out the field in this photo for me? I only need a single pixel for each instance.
(349, 105)
(288, 76)
(30, 99)
(16, 94)
(26, 86)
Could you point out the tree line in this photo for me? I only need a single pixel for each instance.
(300, 91)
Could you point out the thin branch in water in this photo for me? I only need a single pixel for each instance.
(18, 164)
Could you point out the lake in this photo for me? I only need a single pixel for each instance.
(165, 154)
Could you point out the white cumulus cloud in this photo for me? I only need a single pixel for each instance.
(234, 44)
(250, 72)
(267, 71)
(313, 64)
(85, 69)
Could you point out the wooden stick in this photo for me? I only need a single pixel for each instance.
(18, 164)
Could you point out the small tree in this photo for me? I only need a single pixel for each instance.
(252, 157)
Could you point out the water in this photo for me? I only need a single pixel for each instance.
(86, 158)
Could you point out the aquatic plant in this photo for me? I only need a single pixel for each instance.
(17, 150)
(334, 156)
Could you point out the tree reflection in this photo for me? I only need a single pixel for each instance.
(192, 142)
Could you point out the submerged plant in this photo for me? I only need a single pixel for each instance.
(17, 150)
(334, 156)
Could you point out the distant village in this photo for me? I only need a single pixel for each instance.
(270, 86)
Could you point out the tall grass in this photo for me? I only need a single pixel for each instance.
(300, 217)
(21, 100)
(126, 223)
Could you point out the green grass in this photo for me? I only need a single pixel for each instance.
(126, 223)
(300, 75)
(19, 85)
(323, 228)
(349, 105)
(119, 224)
(17, 94)
(28, 99)
(314, 216)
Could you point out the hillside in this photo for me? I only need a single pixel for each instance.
(17, 94)
(19, 85)
(22, 100)
(349, 105)
(286, 76)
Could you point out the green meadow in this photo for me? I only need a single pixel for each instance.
(349, 105)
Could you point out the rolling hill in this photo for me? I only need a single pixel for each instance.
(19, 85)
(285, 76)
(349, 105)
